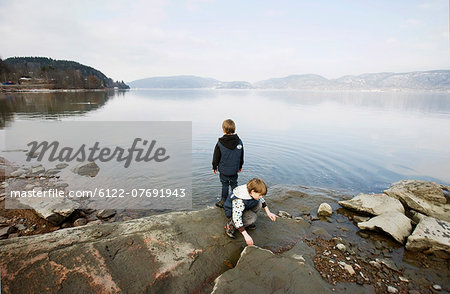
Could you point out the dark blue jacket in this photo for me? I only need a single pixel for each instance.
(228, 155)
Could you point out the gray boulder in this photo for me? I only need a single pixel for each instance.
(425, 197)
(260, 271)
(431, 235)
(86, 169)
(375, 204)
(395, 224)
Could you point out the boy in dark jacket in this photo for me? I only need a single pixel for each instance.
(242, 206)
(228, 158)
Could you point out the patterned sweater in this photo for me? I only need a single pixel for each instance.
(237, 203)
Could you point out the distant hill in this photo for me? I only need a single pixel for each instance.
(58, 74)
(294, 82)
(437, 80)
(175, 82)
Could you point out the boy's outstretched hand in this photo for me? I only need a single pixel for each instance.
(272, 216)
(214, 171)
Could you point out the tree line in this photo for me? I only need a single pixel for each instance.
(57, 74)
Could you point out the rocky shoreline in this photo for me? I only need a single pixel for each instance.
(321, 251)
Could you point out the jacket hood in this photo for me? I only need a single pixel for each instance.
(229, 141)
(242, 192)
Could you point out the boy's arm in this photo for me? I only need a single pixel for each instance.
(272, 216)
(216, 157)
(238, 209)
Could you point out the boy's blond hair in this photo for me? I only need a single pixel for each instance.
(228, 126)
(257, 185)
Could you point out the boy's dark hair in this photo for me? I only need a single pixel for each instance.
(228, 126)
(257, 185)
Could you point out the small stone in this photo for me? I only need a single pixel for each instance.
(17, 173)
(403, 279)
(53, 171)
(89, 168)
(4, 185)
(61, 165)
(106, 213)
(375, 264)
(37, 170)
(341, 247)
(437, 287)
(392, 289)
(20, 227)
(80, 222)
(324, 210)
(285, 214)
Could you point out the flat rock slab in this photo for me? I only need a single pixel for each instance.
(260, 271)
(430, 234)
(425, 197)
(178, 252)
(395, 224)
(55, 210)
(375, 204)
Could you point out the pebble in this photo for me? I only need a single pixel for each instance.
(80, 222)
(392, 289)
(299, 219)
(349, 269)
(341, 247)
(21, 227)
(285, 214)
(106, 213)
(375, 264)
(61, 165)
(403, 279)
(437, 287)
(324, 210)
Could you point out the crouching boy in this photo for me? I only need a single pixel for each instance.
(241, 208)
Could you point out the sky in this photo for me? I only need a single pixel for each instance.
(231, 40)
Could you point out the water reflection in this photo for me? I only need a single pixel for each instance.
(52, 105)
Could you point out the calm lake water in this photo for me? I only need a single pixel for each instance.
(349, 141)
